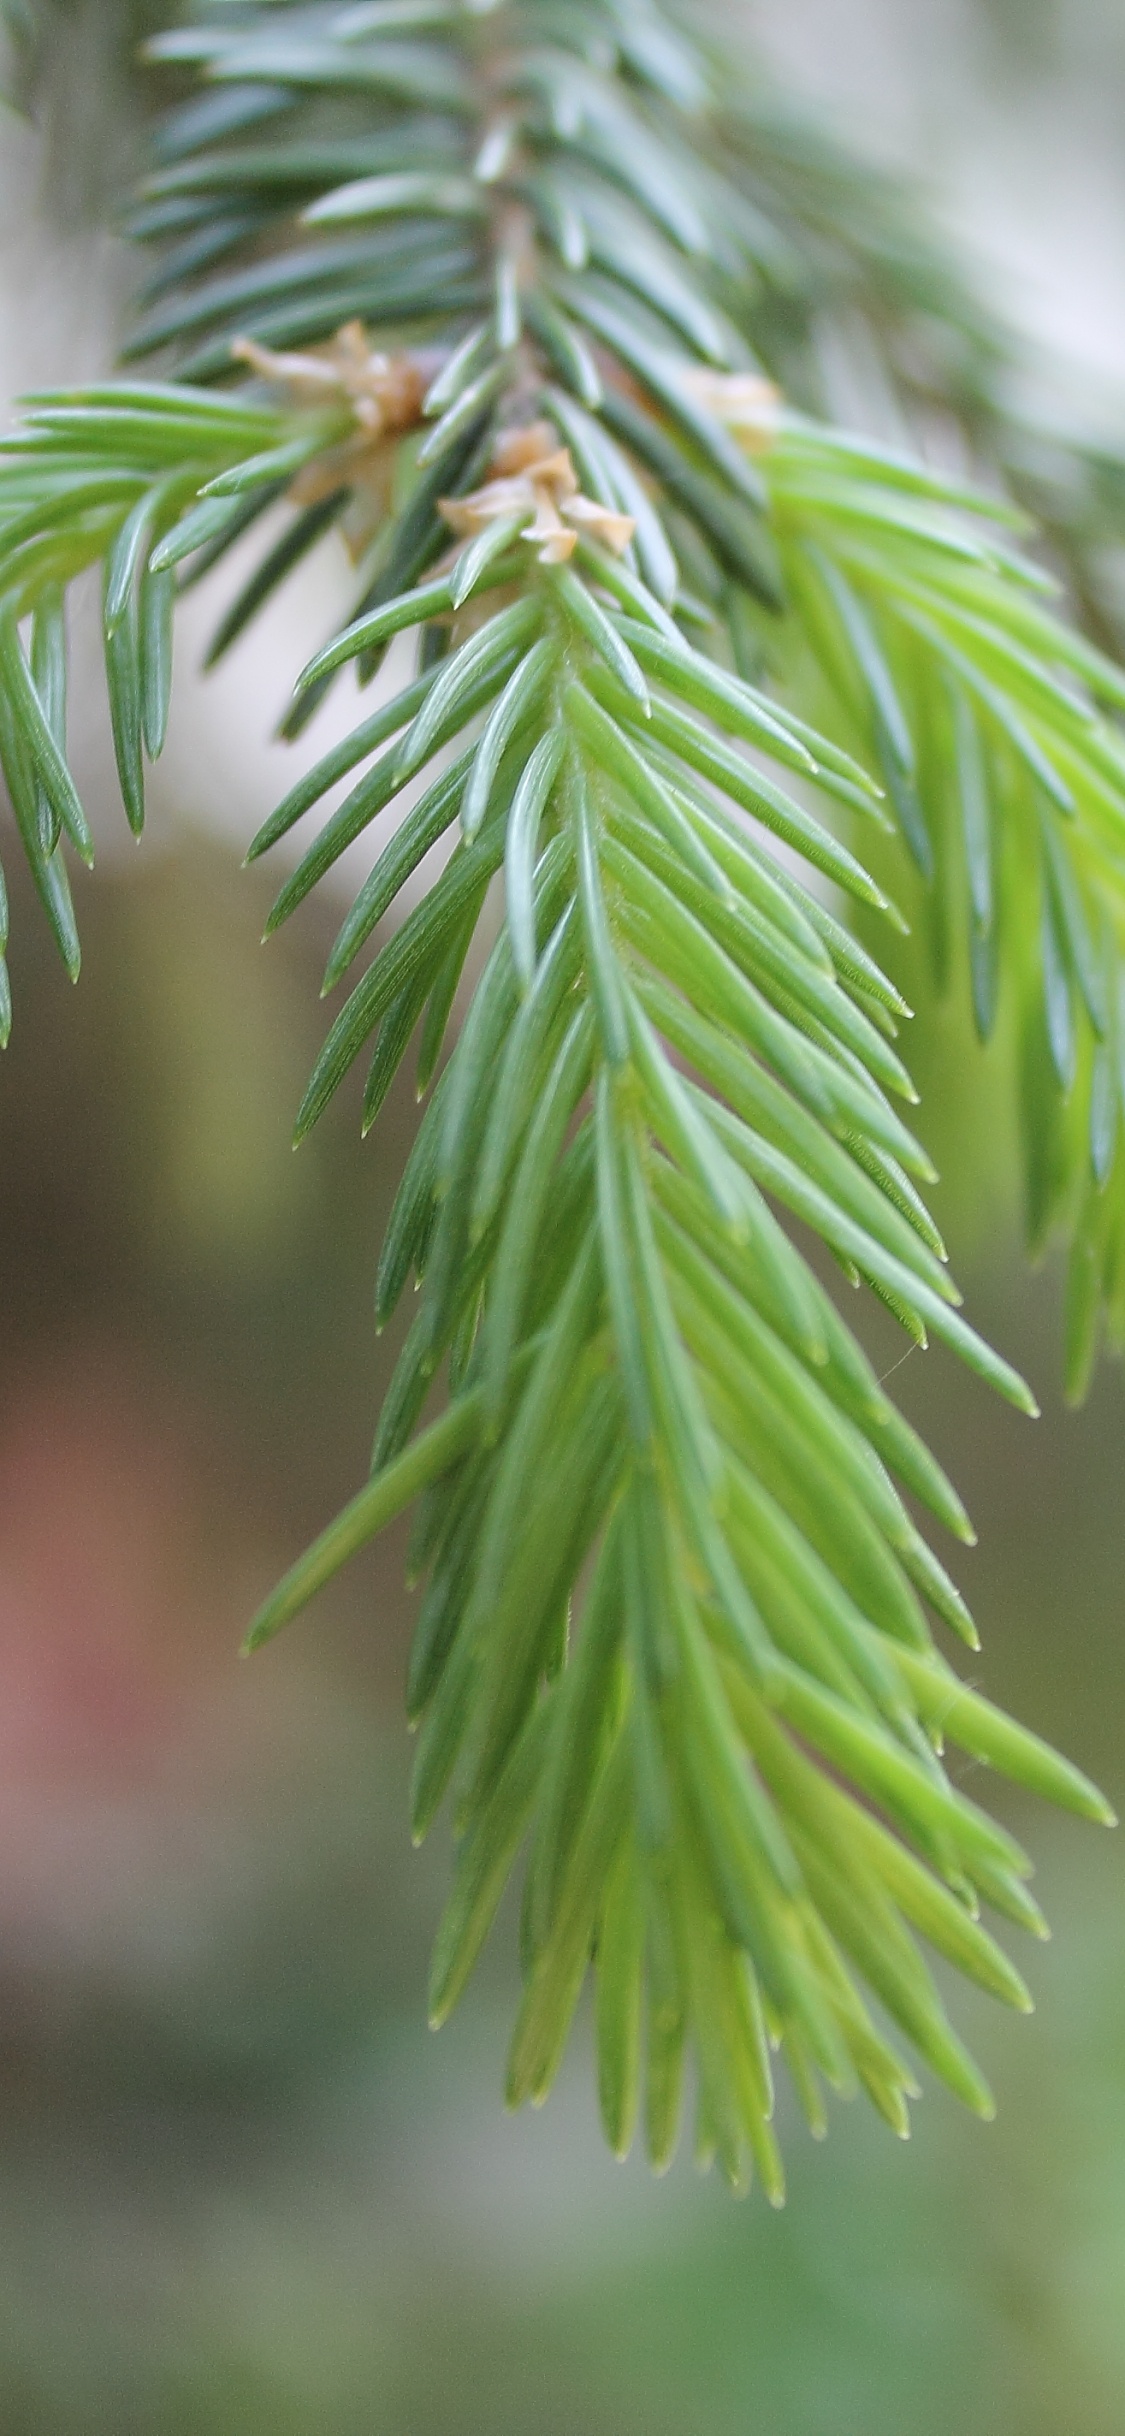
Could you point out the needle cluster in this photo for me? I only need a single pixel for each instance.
(524, 301)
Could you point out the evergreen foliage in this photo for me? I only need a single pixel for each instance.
(531, 302)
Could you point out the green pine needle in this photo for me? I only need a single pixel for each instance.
(497, 302)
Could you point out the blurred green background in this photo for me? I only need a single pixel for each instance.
(242, 2189)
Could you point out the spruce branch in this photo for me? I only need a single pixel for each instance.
(483, 288)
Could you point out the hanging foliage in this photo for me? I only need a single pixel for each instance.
(526, 302)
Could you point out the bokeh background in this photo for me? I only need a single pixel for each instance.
(242, 2191)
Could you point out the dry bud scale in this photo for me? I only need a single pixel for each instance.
(523, 301)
